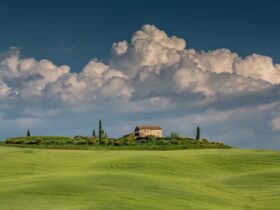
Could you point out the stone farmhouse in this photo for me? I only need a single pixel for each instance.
(142, 131)
(148, 130)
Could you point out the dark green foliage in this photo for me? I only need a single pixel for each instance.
(197, 133)
(176, 142)
(129, 142)
(48, 140)
(174, 135)
(143, 141)
(81, 142)
(100, 130)
(69, 141)
(205, 141)
(104, 141)
(163, 142)
(118, 143)
(92, 141)
(28, 133)
(93, 133)
(151, 138)
(34, 141)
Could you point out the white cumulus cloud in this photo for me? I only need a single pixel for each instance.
(151, 76)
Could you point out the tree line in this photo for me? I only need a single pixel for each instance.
(103, 134)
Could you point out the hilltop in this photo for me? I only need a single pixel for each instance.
(127, 142)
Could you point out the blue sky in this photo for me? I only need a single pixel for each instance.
(66, 64)
(73, 32)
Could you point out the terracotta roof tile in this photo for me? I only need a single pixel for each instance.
(151, 127)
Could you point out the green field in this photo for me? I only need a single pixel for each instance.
(225, 179)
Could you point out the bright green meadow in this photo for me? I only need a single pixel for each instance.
(216, 179)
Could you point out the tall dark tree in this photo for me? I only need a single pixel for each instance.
(197, 133)
(100, 130)
(28, 133)
(93, 133)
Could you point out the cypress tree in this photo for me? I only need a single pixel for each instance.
(102, 133)
(100, 130)
(93, 133)
(28, 133)
(197, 133)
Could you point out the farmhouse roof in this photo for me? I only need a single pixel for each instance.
(151, 127)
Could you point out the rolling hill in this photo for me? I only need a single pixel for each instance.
(209, 179)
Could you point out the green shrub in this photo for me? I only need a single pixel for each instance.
(34, 141)
(176, 142)
(59, 143)
(81, 142)
(130, 139)
(92, 141)
(49, 142)
(204, 141)
(104, 141)
(143, 141)
(117, 143)
(162, 142)
(19, 141)
(69, 141)
(9, 141)
(174, 135)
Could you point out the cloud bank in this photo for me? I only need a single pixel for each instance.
(153, 78)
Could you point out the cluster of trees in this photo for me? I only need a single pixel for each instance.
(101, 132)
(103, 139)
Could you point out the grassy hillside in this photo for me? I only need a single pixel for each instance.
(229, 179)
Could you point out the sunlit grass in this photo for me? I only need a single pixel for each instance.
(103, 179)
